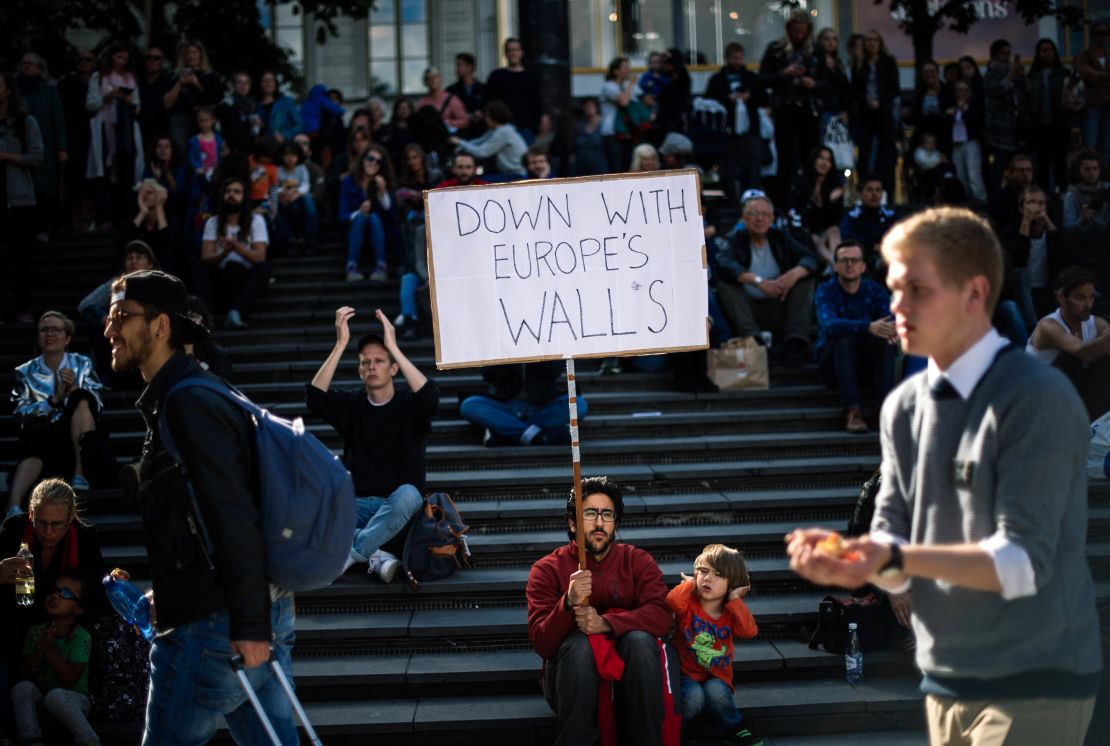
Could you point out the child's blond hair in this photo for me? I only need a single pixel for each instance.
(728, 562)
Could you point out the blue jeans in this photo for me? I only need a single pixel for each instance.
(1096, 127)
(410, 281)
(193, 689)
(361, 226)
(714, 696)
(379, 519)
(510, 419)
(844, 357)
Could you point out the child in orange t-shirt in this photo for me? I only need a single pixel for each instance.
(709, 612)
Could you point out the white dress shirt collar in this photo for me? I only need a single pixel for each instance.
(965, 373)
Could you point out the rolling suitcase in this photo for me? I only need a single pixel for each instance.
(237, 667)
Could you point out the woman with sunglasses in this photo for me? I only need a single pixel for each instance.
(61, 544)
(57, 399)
(368, 210)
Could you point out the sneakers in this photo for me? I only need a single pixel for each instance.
(855, 422)
(742, 737)
(611, 366)
(79, 483)
(380, 274)
(353, 275)
(384, 565)
(234, 320)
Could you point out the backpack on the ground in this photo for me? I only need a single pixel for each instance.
(436, 542)
(870, 614)
(306, 496)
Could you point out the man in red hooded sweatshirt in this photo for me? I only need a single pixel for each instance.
(619, 601)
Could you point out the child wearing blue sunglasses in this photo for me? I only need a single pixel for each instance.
(55, 668)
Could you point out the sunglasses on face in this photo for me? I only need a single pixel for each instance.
(65, 593)
(372, 159)
(118, 318)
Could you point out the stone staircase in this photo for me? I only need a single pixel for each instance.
(384, 664)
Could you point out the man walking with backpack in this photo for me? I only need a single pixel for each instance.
(203, 531)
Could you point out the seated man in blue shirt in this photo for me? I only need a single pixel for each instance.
(855, 333)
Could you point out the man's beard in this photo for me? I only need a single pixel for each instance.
(134, 353)
(227, 209)
(594, 547)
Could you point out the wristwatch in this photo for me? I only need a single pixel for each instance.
(758, 281)
(893, 565)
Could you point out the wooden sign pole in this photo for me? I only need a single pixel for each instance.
(576, 460)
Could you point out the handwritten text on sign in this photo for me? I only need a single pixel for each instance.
(567, 268)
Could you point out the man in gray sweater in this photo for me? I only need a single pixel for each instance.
(983, 505)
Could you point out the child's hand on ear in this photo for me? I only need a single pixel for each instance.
(739, 592)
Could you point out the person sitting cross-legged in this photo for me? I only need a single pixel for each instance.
(766, 281)
(1075, 341)
(384, 432)
(856, 333)
(540, 417)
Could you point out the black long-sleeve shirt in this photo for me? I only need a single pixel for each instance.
(383, 445)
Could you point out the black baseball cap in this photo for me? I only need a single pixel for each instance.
(165, 293)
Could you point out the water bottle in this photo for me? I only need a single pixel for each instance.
(129, 602)
(25, 584)
(853, 658)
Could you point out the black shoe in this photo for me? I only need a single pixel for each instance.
(793, 353)
(742, 737)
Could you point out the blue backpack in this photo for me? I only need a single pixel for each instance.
(306, 496)
(436, 542)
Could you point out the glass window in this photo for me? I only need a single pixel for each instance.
(646, 26)
(383, 42)
(399, 49)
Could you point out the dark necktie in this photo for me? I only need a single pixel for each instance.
(942, 388)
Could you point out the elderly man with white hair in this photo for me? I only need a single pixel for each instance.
(765, 281)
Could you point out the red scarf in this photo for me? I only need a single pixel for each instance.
(610, 668)
(68, 542)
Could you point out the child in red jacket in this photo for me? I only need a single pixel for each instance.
(709, 612)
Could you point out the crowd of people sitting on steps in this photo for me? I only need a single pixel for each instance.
(208, 176)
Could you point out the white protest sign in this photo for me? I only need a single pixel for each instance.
(561, 268)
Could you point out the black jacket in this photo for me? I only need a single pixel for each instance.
(216, 441)
(735, 257)
(538, 381)
(886, 84)
(786, 90)
(723, 83)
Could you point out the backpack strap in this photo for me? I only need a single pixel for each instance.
(824, 620)
(170, 445)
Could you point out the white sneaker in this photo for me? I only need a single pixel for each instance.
(353, 275)
(383, 564)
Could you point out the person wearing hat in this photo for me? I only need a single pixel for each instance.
(92, 309)
(209, 605)
(677, 150)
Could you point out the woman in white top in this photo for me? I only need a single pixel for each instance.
(616, 93)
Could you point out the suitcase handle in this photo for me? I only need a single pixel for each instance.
(238, 667)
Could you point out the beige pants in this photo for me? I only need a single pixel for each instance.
(1015, 722)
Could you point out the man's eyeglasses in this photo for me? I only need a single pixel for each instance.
(118, 318)
(65, 593)
(50, 525)
(51, 331)
(849, 260)
(607, 515)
